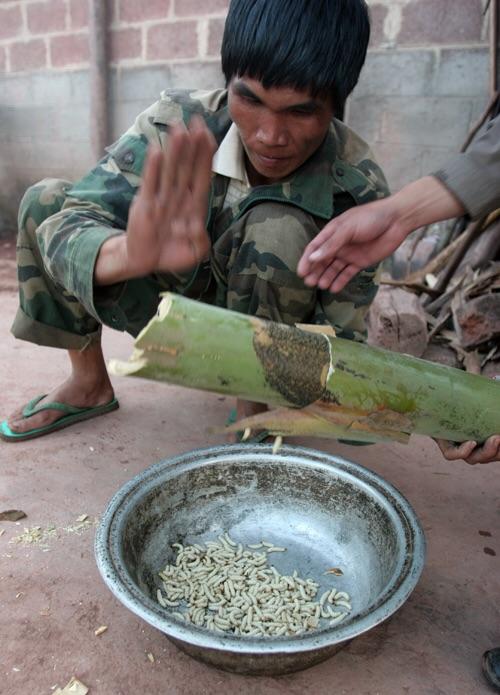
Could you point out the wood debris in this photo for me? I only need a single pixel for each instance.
(451, 270)
(460, 325)
(151, 658)
(73, 687)
(100, 630)
(35, 534)
(336, 571)
(12, 515)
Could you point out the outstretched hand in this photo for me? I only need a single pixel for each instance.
(358, 238)
(365, 235)
(166, 226)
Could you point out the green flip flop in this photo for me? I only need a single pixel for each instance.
(72, 415)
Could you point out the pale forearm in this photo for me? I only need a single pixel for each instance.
(422, 202)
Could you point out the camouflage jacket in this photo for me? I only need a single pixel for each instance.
(340, 174)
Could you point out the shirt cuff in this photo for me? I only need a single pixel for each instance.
(468, 184)
(103, 301)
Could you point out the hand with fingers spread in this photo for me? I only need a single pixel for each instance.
(365, 235)
(166, 225)
(359, 238)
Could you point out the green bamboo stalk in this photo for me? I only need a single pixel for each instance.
(352, 384)
(305, 422)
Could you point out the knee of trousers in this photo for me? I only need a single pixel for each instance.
(42, 200)
(270, 235)
(256, 259)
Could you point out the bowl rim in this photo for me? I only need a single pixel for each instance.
(112, 568)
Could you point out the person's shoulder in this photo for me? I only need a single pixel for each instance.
(357, 158)
(349, 145)
(182, 104)
(175, 105)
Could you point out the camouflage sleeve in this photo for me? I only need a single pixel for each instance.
(97, 208)
(368, 180)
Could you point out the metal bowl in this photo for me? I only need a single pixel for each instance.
(327, 511)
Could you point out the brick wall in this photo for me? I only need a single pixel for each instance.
(38, 35)
(425, 80)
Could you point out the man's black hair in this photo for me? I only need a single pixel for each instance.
(312, 45)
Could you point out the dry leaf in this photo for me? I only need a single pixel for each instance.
(82, 517)
(100, 630)
(12, 515)
(74, 687)
(336, 571)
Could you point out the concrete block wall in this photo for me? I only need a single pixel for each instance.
(424, 83)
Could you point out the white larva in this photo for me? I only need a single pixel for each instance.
(342, 595)
(229, 589)
(160, 598)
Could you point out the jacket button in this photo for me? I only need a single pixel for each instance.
(339, 171)
(128, 157)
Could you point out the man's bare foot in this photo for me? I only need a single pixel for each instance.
(88, 386)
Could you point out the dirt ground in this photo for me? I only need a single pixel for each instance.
(52, 598)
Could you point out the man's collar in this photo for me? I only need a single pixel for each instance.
(229, 160)
(312, 186)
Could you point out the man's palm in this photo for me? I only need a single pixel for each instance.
(166, 226)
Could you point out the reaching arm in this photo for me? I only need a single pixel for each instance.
(365, 235)
(470, 182)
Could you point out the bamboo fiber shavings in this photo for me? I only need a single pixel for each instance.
(231, 589)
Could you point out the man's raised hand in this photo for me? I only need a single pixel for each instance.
(166, 225)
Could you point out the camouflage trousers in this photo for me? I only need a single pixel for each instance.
(251, 270)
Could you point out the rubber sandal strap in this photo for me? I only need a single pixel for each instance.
(32, 409)
(232, 417)
(259, 437)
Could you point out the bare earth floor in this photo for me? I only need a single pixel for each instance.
(52, 598)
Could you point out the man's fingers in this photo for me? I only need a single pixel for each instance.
(172, 155)
(151, 174)
(185, 167)
(470, 452)
(314, 274)
(330, 273)
(329, 248)
(199, 240)
(205, 147)
(344, 277)
(193, 184)
(455, 453)
(305, 264)
(488, 453)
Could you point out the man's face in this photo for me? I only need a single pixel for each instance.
(280, 127)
